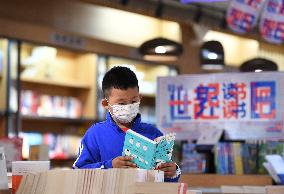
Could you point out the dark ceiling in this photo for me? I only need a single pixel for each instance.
(210, 13)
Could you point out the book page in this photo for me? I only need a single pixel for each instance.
(41, 183)
(164, 149)
(22, 185)
(92, 180)
(35, 183)
(80, 181)
(29, 183)
(70, 181)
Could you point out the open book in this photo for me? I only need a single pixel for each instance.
(146, 153)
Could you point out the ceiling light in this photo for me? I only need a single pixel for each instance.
(161, 49)
(258, 65)
(258, 70)
(212, 56)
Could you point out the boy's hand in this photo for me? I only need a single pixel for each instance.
(169, 169)
(123, 162)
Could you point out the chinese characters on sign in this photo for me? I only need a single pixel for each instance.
(207, 101)
(248, 104)
(263, 100)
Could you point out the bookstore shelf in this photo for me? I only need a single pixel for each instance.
(58, 119)
(49, 82)
(55, 124)
(2, 123)
(149, 96)
(148, 100)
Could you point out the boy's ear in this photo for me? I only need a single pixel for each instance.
(140, 97)
(104, 103)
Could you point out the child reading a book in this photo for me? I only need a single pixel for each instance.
(102, 145)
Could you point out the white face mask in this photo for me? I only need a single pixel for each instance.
(125, 113)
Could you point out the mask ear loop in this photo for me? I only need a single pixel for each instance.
(108, 103)
(108, 108)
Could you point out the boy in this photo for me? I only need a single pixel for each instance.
(102, 145)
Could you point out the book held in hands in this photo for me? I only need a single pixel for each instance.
(146, 153)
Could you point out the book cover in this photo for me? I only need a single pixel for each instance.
(238, 161)
(146, 153)
(245, 158)
(192, 162)
(229, 158)
(261, 158)
(277, 164)
(253, 157)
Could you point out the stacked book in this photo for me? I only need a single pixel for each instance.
(99, 181)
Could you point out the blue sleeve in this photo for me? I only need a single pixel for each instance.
(173, 180)
(89, 155)
(158, 133)
(176, 177)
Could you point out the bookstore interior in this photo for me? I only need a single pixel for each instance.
(209, 74)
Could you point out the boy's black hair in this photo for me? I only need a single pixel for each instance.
(120, 78)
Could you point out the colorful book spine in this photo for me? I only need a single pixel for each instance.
(34, 104)
(239, 170)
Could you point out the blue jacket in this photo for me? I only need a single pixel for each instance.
(104, 141)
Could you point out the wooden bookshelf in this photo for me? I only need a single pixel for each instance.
(215, 180)
(148, 100)
(3, 73)
(57, 88)
(54, 124)
(55, 83)
(2, 124)
(68, 73)
(58, 119)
